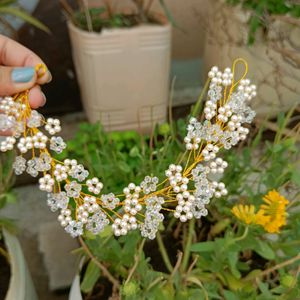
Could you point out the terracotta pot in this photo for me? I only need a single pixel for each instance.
(274, 61)
(20, 284)
(123, 74)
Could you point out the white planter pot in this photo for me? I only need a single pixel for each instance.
(123, 74)
(274, 58)
(75, 292)
(20, 285)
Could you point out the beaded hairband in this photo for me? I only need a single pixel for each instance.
(187, 189)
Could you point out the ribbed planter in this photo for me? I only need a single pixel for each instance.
(20, 284)
(274, 57)
(123, 74)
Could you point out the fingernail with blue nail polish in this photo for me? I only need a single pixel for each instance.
(22, 75)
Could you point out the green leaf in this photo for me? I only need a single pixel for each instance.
(168, 13)
(124, 167)
(219, 226)
(265, 250)
(296, 177)
(203, 247)
(7, 2)
(264, 288)
(230, 295)
(90, 278)
(17, 12)
(134, 152)
(233, 258)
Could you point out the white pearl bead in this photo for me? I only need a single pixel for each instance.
(189, 215)
(183, 218)
(176, 214)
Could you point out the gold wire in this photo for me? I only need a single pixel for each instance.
(192, 159)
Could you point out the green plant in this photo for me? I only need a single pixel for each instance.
(6, 178)
(263, 10)
(119, 156)
(6, 196)
(95, 19)
(11, 7)
(216, 257)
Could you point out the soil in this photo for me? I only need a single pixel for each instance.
(4, 274)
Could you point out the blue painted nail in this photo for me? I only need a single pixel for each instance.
(22, 75)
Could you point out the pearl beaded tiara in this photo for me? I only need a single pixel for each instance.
(185, 191)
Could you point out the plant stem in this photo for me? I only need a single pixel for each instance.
(164, 253)
(153, 283)
(279, 266)
(192, 265)
(186, 253)
(148, 7)
(106, 273)
(196, 109)
(87, 15)
(243, 235)
(171, 121)
(136, 261)
(177, 265)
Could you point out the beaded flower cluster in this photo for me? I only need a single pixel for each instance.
(185, 191)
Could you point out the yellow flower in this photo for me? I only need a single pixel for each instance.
(261, 218)
(273, 212)
(271, 215)
(245, 213)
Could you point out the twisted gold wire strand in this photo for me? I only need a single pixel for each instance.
(191, 160)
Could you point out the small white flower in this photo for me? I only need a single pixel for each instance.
(57, 144)
(44, 162)
(39, 140)
(209, 152)
(110, 201)
(57, 200)
(7, 144)
(122, 226)
(53, 126)
(183, 209)
(97, 222)
(89, 206)
(7, 122)
(46, 183)
(61, 172)
(149, 184)
(32, 167)
(19, 165)
(74, 228)
(94, 185)
(64, 217)
(35, 119)
(73, 189)
(79, 172)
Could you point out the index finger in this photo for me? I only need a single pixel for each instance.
(14, 54)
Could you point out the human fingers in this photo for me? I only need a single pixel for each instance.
(36, 97)
(14, 54)
(15, 80)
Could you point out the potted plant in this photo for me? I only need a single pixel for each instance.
(122, 61)
(16, 282)
(266, 34)
(12, 8)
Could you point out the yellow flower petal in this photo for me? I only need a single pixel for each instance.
(245, 213)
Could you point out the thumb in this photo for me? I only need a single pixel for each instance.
(15, 80)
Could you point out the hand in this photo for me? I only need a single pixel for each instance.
(17, 72)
